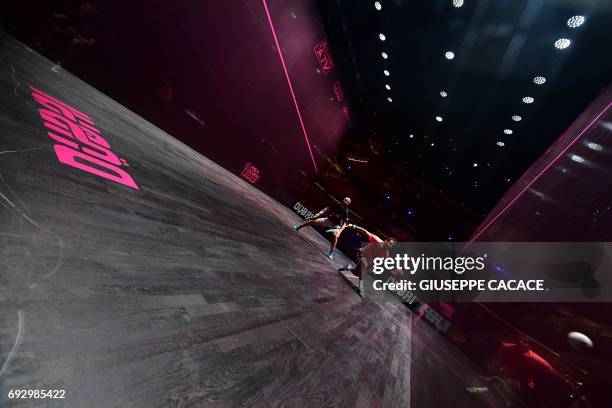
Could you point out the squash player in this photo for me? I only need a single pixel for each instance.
(335, 217)
(375, 248)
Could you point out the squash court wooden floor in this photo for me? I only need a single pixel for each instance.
(190, 291)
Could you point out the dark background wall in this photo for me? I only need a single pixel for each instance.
(207, 72)
(564, 197)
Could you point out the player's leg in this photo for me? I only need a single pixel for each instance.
(335, 235)
(359, 270)
(363, 267)
(336, 232)
(309, 222)
(360, 230)
(352, 268)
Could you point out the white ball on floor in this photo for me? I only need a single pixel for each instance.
(579, 341)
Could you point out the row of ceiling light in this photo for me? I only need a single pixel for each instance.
(560, 44)
(384, 55)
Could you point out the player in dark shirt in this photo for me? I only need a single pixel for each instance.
(335, 216)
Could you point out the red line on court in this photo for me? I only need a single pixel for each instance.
(553, 161)
(297, 108)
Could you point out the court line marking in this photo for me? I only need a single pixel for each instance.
(17, 83)
(18, 340)
(536, 178)
(25, 150)
(295, 103)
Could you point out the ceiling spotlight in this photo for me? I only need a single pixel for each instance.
(528, 99)
(377, 5)
(501, 144)
(457, 3)
(539, 80)
(382, 37)
(389, 99)
(516, 118)
(508, 131)
(388, 87)
(475, 165)
(577, 159)
(595, 146)
(450, 55)
(562, 43)
(443, 94)
(385, 55)
(439, 118)
(575, 21)
(411, 136)
(386, 72)
(432, 144)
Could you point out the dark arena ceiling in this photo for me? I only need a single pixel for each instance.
(471, 122)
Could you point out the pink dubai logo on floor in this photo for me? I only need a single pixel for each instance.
(324, 56)
(80, 143)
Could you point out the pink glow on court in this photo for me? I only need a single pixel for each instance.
(80, 144)
(297, 108)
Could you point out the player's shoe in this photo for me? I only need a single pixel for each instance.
(361, 290)
(477, 390)
(331, 255)
(296, 228)
(345, 268)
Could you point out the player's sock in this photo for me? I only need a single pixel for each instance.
(334, 229)
(361, 289)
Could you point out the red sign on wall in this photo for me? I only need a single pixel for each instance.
(338, 91)
(347, 115)
(324, 56)
(250, 173)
